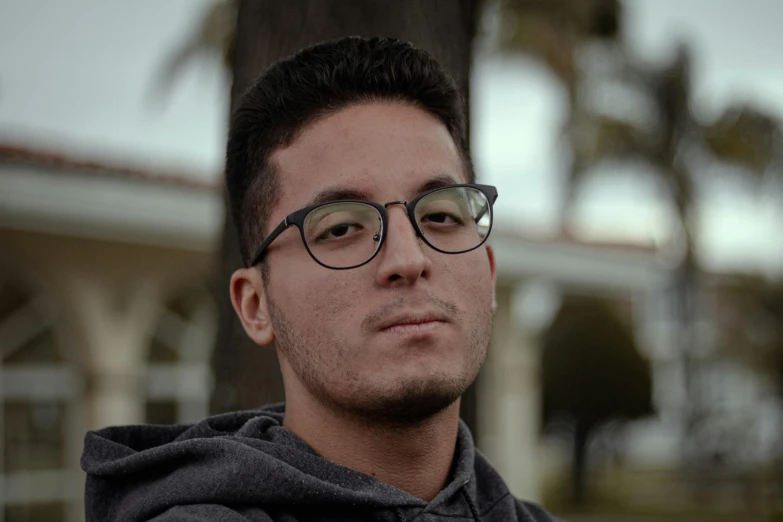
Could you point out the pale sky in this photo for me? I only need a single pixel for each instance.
(75, 76)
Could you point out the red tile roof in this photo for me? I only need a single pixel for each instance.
(63, 163)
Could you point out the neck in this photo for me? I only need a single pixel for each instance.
(415, 458)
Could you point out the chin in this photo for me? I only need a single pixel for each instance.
(409, 400)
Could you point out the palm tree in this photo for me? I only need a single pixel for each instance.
(553, 30)
(675, 147)
(562, 34)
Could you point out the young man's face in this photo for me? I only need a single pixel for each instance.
(331, 327)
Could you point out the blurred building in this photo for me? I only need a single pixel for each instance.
(107, 316)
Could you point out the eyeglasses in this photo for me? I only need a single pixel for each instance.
(348, 234)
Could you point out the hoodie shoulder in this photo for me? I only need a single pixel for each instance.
(240, 463)
(140, 472)
(117, 442)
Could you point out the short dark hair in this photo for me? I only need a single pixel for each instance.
(312, 84)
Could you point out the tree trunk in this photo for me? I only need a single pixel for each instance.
(248, 376)
(686, 295)
(579, 469)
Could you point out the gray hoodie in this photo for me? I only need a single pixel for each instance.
(245, 466)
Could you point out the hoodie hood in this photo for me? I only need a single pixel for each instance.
(248, 460)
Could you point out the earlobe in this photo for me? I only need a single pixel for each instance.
(249, 301)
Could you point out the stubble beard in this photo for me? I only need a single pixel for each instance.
(410, 402)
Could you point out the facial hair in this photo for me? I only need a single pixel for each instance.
(410, 401)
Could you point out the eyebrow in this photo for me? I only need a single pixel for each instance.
(441, 180)
(337, 194)
(344, 193)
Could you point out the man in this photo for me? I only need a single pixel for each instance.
(364, 239)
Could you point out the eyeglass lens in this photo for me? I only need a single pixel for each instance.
(342, 235)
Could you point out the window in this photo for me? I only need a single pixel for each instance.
(179, 382)
(38, 391)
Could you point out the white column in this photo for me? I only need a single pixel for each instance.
(115, 326)
(509, 402)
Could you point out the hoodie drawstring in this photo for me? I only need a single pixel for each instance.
(471, 505)
(401, 515)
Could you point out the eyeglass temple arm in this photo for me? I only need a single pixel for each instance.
(261, 250)
(483, 211)
(490, 201)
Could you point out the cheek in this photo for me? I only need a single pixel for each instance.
(471, 279)
(316, 298)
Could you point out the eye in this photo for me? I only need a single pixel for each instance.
(441, 218)
(338, 232)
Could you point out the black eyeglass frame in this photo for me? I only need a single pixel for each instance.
(298, 218)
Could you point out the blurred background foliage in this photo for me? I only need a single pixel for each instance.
(592, 374)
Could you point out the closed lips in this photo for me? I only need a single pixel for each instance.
(407, 320)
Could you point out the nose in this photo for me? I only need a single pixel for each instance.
(402, 258)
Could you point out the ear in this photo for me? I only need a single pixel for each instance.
(249, 300)
(493, 273)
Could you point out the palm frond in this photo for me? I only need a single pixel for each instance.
(747, 137)
(552, 30)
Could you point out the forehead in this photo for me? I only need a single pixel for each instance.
(384, 150)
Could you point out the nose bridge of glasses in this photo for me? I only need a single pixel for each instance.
(390, 203)
(405, 210)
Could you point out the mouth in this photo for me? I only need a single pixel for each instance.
(414, 324)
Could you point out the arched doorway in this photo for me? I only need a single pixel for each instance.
(178, 378)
